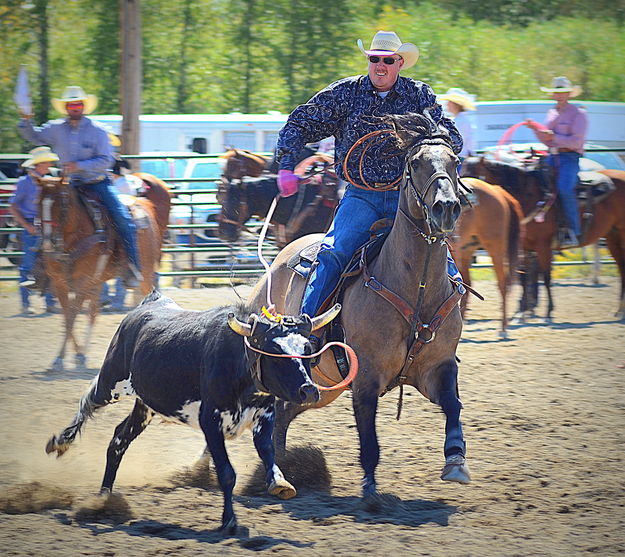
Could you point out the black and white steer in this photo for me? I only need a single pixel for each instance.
(194, 367)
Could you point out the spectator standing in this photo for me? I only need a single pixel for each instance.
(459, 105)
(23, 205)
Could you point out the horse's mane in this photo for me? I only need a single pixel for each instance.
(513, 174)
(412, 128)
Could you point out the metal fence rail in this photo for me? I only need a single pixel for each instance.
(195, 251)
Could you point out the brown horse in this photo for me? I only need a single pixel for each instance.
(493, 223)
(240, 162)
(78, 259)
(307, 212)
(402, 334)
(526, 182)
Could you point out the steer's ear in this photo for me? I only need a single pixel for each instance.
(244, 329)
(322, 320)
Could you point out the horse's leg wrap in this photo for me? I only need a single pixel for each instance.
(365, 407)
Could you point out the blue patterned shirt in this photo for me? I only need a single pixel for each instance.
(344, 110)
(87, 145)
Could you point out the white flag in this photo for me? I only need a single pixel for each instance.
(22, 93)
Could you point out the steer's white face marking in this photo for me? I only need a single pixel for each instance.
(233, 424)
(292, 344)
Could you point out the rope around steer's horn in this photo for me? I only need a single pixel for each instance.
(351, 356)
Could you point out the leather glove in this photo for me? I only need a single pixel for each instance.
(287, 182)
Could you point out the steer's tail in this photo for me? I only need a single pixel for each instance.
(88, 405)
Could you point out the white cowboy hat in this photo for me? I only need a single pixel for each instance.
(73, 93)
(460, 97)
(387, 43)
(562, 84)
(39, 155)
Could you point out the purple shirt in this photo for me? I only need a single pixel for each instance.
(569, 126)
(25, 197)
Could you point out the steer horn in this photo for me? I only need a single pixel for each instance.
(322, 320)
(244, 329)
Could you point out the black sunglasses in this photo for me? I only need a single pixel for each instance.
(387, 60)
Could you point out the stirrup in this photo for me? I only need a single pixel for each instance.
(133, 277)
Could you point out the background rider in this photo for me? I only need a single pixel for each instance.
(566, 125)
(85, 152)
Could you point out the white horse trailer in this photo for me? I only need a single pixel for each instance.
(204, 133)
(213, 133)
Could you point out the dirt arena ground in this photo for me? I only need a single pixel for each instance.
(544, 419)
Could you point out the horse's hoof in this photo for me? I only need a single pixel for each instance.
(456, 470)
(282, 489)
(104, 492)
(229, 527)
(81, 361)
(503, 335)
(57, 364)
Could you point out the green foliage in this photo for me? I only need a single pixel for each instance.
(215, 56)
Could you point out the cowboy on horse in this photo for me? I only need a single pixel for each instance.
(564, 133)
(85, 152)
(347, 109)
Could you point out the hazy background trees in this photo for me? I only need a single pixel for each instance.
(202, 56)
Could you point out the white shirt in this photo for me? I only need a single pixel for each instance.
(465, 123)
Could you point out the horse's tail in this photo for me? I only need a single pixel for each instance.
(515, 234)
(160, 196)
(87, 406)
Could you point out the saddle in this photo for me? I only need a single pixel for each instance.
(592, 188)
(105, 232)
(305, 261)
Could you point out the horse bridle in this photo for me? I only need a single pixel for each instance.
(430, 236)
(48, 225)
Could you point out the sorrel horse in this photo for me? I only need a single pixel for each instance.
(493, 223)
(525, 181)
(402, 334)
(78, 259)
(240, 163)
(308, 211)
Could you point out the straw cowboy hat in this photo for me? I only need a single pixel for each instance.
(73, 93)
(562, 84)
(460, 97)
(387, 43)
(39, 155)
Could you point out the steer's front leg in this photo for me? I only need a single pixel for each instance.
(262, 432)
(211, 424)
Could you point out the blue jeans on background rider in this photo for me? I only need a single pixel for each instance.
(30, 241)
(118, 297)
(120, 215)
(356, 212)
(567, 167)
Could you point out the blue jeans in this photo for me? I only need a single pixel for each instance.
(118, 297)
(567, 167)
(120, 216)
(349, 230)
(29, 242)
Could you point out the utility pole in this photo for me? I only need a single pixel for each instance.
(131, 76)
